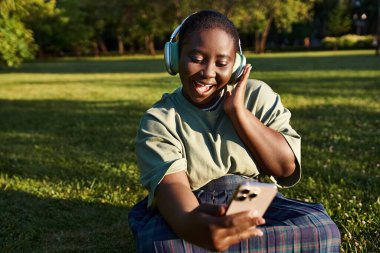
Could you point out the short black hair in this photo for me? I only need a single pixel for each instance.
(205, 20)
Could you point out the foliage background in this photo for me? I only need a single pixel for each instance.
(45, 28)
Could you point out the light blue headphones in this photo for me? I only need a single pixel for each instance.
(171, 55)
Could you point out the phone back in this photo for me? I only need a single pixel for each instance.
(252, 196)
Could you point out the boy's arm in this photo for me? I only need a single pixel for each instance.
(269, 148)
(204, 225)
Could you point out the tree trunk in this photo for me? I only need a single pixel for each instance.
(131, 49)
(102, 46)
(41, 53)
(378, 29)
(96, 49)
(149, 44)
(264, 36)
(120, 45)
(257, 42)
(336, 46)
(78, 51)
(178, 13)
(229, 8)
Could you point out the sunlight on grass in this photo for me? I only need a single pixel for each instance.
(314, 53)
(86, 87)
(68, 170)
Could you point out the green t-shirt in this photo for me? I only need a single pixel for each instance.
(175, 135)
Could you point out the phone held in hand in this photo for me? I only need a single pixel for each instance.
(252, 196)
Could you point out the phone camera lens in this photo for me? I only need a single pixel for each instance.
(245, 191)
(242, 197)
(253, 195)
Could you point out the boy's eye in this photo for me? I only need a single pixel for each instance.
(222, 64)
(196, 59)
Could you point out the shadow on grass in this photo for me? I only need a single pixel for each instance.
(340, 142)
(266, 64)
(74, 142)
(33, 224)
(64, 140)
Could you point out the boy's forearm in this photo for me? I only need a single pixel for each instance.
(267, 146)
(175, 200)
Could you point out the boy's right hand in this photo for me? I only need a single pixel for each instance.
(208, 227)
(204, 225)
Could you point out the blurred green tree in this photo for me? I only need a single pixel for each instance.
(64, 29)
(339, 19)
(61, 27)
(110, 20)
(153, 19)
(16, 41)
(257, 17)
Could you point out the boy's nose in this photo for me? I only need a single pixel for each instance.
(208, 71)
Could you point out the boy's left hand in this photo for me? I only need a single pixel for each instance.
(235, 98)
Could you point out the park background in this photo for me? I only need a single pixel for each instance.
(76, 76)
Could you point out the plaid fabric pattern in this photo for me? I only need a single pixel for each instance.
(291, 225)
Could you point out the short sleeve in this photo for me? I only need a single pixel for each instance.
(158, 152)
(268, 108)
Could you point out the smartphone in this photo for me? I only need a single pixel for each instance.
(253, 196)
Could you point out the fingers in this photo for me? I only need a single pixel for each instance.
(244, 220)
(245, 75)
(239, 236)
(225, 231)
(242, 226)
(257, 220)
(250, 233)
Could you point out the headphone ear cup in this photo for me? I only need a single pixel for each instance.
(238, 68)
(171, 55)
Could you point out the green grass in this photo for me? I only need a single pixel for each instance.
(68, 175)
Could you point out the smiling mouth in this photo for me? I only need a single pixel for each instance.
(202, 88)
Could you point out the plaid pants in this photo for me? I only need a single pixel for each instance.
(291, 225)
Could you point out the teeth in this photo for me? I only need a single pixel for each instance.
(207, 85)
(202, 88)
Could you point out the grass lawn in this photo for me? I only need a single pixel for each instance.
(68, 174)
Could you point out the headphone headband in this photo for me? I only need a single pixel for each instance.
(174, 34)
(178, 28)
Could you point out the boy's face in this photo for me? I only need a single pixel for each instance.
(206, 63)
